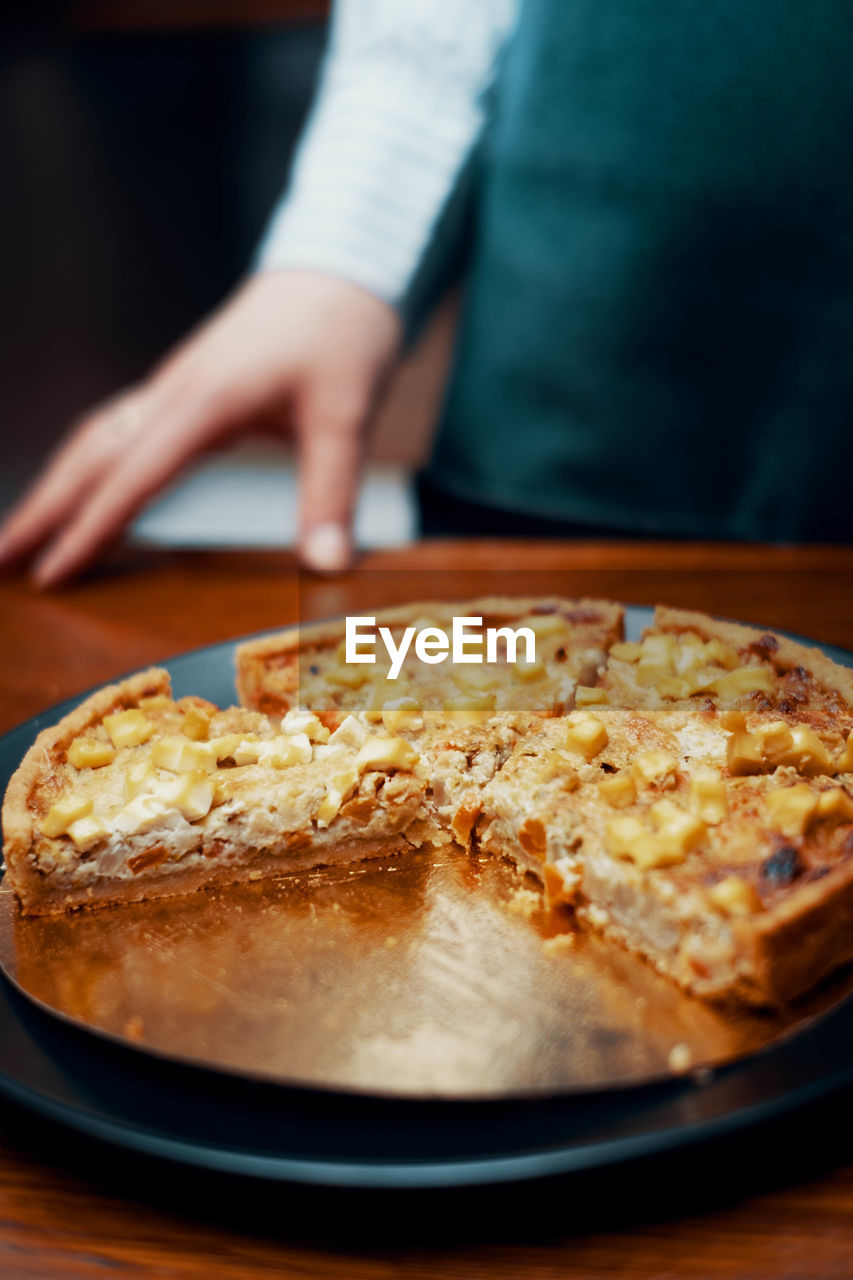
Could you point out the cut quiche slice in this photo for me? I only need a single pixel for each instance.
(134, 795)
(693, 660)
(306, 666)
(735, 885)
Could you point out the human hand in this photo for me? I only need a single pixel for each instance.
(299, 352)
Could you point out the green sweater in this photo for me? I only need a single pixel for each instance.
(659, 317)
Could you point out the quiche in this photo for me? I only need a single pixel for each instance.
(689, 795)
(135, 795)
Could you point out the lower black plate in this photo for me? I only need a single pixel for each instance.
(214, 1121)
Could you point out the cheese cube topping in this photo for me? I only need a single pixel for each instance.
(191, 794)
(545, 624)
(402, 713)
(386, 753)
(60, 816)
(585, 734)
(775, 743)
(88, 831)
(588, 696)
(654, 768)
(708, 795)
(349, 733)
(792, 808)
(618, 791)
(683, 830)
(128, 728)
(835, 805)
(196, 724)
(735, 896)
(179, 755)
(90, 753)
(339, 790)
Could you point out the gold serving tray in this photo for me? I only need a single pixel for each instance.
(430, 975)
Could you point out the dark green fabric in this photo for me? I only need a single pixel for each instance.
(658, 325)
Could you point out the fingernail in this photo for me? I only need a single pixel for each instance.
(326, 547)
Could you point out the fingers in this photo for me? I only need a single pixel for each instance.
(330, 444)
(76, 468)
(172, 432)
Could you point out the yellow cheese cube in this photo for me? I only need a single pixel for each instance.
(627, 838)
(128, 728)
(744, 753)
(386, 753)
(283, 751)
(544, 624)
(179, 755)
(349, 733)
(88, 831)
(707, 795)
(474, 707)
(586, 735)
(140, 814)
(629, 651)
(792, 808)
(844, 763)
(478, 678)
(618, 791)
(808, 754)
(305, 722)
(588, 696)
(835, 805)
(675, 687)
(224, 746)
(683, 830)
(140, 778)
(775, 741)
(720, 653)
(735, 896)
(156, 702)
(90, 753)
(339, 790)
(402, 713)
(744, 680)
(191, 793)
(196, 724)
(556, 764)
(60, 816)
(657, 659)
(653, 768)
(622, 834)
(529, 671)
(352, 675)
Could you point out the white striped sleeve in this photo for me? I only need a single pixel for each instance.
(400, 105)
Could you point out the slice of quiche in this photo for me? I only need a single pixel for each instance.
(693, 660)
(307, 667)
(135, 795)
(737, 884)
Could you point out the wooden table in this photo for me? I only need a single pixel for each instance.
(775, 1201)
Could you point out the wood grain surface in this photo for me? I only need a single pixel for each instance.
(776, 1201)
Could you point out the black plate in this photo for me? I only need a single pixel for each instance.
(213, 1121)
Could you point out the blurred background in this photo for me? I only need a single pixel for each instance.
(144, 144)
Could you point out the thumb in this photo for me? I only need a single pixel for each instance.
(330, 448)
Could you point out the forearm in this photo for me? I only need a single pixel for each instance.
(400, 106)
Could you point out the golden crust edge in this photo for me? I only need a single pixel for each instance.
(270, 866)
(800, 941)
